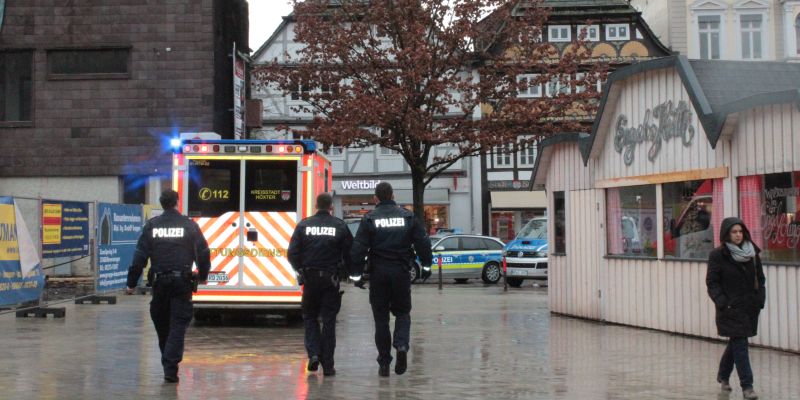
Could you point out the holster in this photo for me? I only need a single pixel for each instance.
(151, 277)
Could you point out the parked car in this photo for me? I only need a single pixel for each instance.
(526, 255)
(466, 257)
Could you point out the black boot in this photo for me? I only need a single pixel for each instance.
(402, 363)
(383, 370)
(313, 363)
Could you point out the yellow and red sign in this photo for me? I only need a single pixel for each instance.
(51, 223)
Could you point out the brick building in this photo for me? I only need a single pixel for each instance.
(92, 91)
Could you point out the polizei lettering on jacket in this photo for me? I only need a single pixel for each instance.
(320, 231)
(167, 232)
(390, 222)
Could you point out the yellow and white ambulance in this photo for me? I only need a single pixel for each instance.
(247, 196)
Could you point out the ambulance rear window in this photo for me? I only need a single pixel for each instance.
(271, 186)
(213, 187)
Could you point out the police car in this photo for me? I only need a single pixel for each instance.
(526, 255)
(466, 257)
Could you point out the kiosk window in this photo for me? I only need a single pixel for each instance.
(271, 186)
(213, 187)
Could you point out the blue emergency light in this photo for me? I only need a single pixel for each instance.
(175, 143)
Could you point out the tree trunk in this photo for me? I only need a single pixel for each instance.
(418, 189)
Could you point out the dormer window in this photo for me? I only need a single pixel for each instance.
(559, 33)
(618, 32)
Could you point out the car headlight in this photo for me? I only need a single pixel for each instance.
(540, 254)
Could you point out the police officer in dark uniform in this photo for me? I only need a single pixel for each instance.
(320, 244)
(387, 234)
(172, 242)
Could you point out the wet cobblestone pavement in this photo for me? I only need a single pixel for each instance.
(468, 342)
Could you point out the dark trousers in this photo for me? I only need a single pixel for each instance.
(321, 300)
(736, 353)
(171, 311)
(390, 291)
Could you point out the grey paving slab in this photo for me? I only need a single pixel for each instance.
(469, 342)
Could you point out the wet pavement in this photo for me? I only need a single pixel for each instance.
(468, 342)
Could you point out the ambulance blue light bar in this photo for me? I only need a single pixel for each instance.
(240, 147)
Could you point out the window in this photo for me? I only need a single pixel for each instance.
(16, 85)
(472, 243)
(631, 221)
(559, 33)
(768, 206)
(527, 153)
(692, 213)
(449, 244)
(134, 189)
(297, 92)
(492, 245)
(751, 36)
(213, 187)
(797, 33)
(559, 223)
(502, 155)
(383, 151)
(592, 32)
(618, 32)
(270, 186)
(526, 86)
(98, 63)
(556, 87)
(708, 29)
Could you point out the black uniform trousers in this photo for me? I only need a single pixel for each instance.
(321, 300)
(171, 311)
(390, 291)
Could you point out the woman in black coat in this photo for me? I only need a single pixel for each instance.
(735, 281)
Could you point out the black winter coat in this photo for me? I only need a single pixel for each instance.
(737, 288)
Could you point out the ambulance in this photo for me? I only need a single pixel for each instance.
(247, 196)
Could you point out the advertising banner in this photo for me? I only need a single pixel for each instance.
(65, 229)
(21, 277)
(118, 231)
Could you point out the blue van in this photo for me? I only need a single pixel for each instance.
(526, 255)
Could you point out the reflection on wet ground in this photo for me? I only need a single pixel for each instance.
(469, 342)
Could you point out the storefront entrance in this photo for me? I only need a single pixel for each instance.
(354, 207)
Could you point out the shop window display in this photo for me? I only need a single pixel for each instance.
(631, 213)
(692, 215)
(768, 206)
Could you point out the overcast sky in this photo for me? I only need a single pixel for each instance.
(265, 16)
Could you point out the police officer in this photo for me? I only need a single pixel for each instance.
(172, 242)
(387, 234)
(319, 245)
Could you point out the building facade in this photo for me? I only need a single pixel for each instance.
(451, 200)
(727, 29)
(635, 216)
(616, 34)
(92, 93)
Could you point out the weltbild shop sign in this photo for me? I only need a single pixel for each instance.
(360, 184)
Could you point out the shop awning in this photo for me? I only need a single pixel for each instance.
(432, 196)
(519, 199)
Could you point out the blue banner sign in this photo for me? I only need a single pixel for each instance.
(118, 230)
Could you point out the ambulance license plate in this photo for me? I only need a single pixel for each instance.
(218, 277)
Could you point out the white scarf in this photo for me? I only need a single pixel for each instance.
(744, 253)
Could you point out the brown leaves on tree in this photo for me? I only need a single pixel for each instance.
(410, 75)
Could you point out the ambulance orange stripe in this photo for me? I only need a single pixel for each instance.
(205, 224)
(275, 226)
(275, 263)
(249, 272)
(222, 228)
(263, 232)
(222, 264)
(289, 220)
(265, 270)
(226, 244)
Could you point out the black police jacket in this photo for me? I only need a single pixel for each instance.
(321, 242)
(387, 235)
(172, 242)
